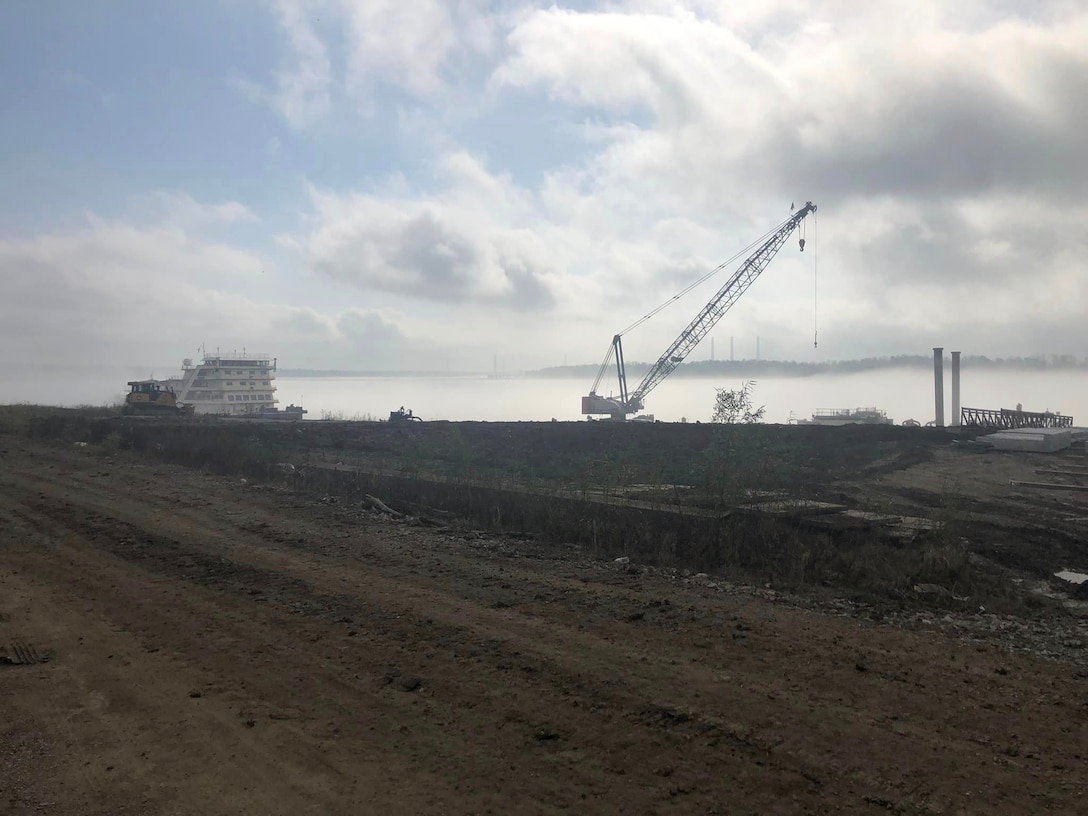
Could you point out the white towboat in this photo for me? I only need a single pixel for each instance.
(848, 416)
(228, 385)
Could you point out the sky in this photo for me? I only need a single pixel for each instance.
(464, 184)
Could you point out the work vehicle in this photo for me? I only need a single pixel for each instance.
(149, 397)
(400, 415)
(630, 402)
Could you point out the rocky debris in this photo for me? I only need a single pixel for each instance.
(395, 678)
(1054, 638)
(382, 507)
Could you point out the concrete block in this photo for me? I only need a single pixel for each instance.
(1032, 440)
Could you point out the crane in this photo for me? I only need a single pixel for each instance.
(630, 402)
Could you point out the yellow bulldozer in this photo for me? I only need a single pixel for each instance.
(149, 397)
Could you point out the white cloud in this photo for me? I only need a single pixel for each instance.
(942, 142)
(183, 210)
(302, 92)
(351, 50)
(881, 98)
(465, 244)
(399, 43)
(115, 293)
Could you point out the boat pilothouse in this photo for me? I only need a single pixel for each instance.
(231, 385)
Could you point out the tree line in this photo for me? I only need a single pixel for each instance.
(791, 368)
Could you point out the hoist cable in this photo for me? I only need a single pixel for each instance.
(701, 280)
(815, 280)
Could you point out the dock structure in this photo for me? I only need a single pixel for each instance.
(1008, 418)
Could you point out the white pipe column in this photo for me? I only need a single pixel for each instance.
(955, 389)
(938, 386)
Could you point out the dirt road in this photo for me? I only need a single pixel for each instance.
(218, 647)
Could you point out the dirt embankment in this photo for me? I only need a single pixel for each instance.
(220, 647)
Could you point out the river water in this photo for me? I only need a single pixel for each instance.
(903, 393)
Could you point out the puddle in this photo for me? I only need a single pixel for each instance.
(1072, 577)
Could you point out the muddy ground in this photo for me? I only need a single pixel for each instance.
(220, 642)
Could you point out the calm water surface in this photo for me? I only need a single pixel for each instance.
(902, 393)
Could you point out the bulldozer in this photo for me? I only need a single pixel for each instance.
(148, 397)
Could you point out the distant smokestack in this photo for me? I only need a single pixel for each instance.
(938, 385)
(955, 389)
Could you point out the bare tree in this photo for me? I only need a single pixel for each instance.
(734, 406)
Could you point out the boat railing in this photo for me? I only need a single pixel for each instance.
(236, 359)
(847, 412)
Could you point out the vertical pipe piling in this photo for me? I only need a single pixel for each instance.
(956, 389)
(938, 386)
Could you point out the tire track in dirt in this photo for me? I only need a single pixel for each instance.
(142, 693)
(67, 523)
(140, 546)
(761, 707)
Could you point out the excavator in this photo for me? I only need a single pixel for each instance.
(150, 398)
(631, 402)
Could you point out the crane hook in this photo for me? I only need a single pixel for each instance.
(802, 243)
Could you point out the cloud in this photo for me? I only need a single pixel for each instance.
(301, 321)
(449, 247)
(943, 143)
(357, 50)
(110, 285)
(112, 292)
(404, 44)
(377, 343)
(535, 177)
(181, 209)
(868, 103)
(302, 92)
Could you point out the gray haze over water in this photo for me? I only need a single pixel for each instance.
(903, 393)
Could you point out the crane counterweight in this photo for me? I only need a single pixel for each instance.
(631, 402)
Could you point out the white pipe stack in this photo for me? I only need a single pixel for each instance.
(938, 386)
(955, 389)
